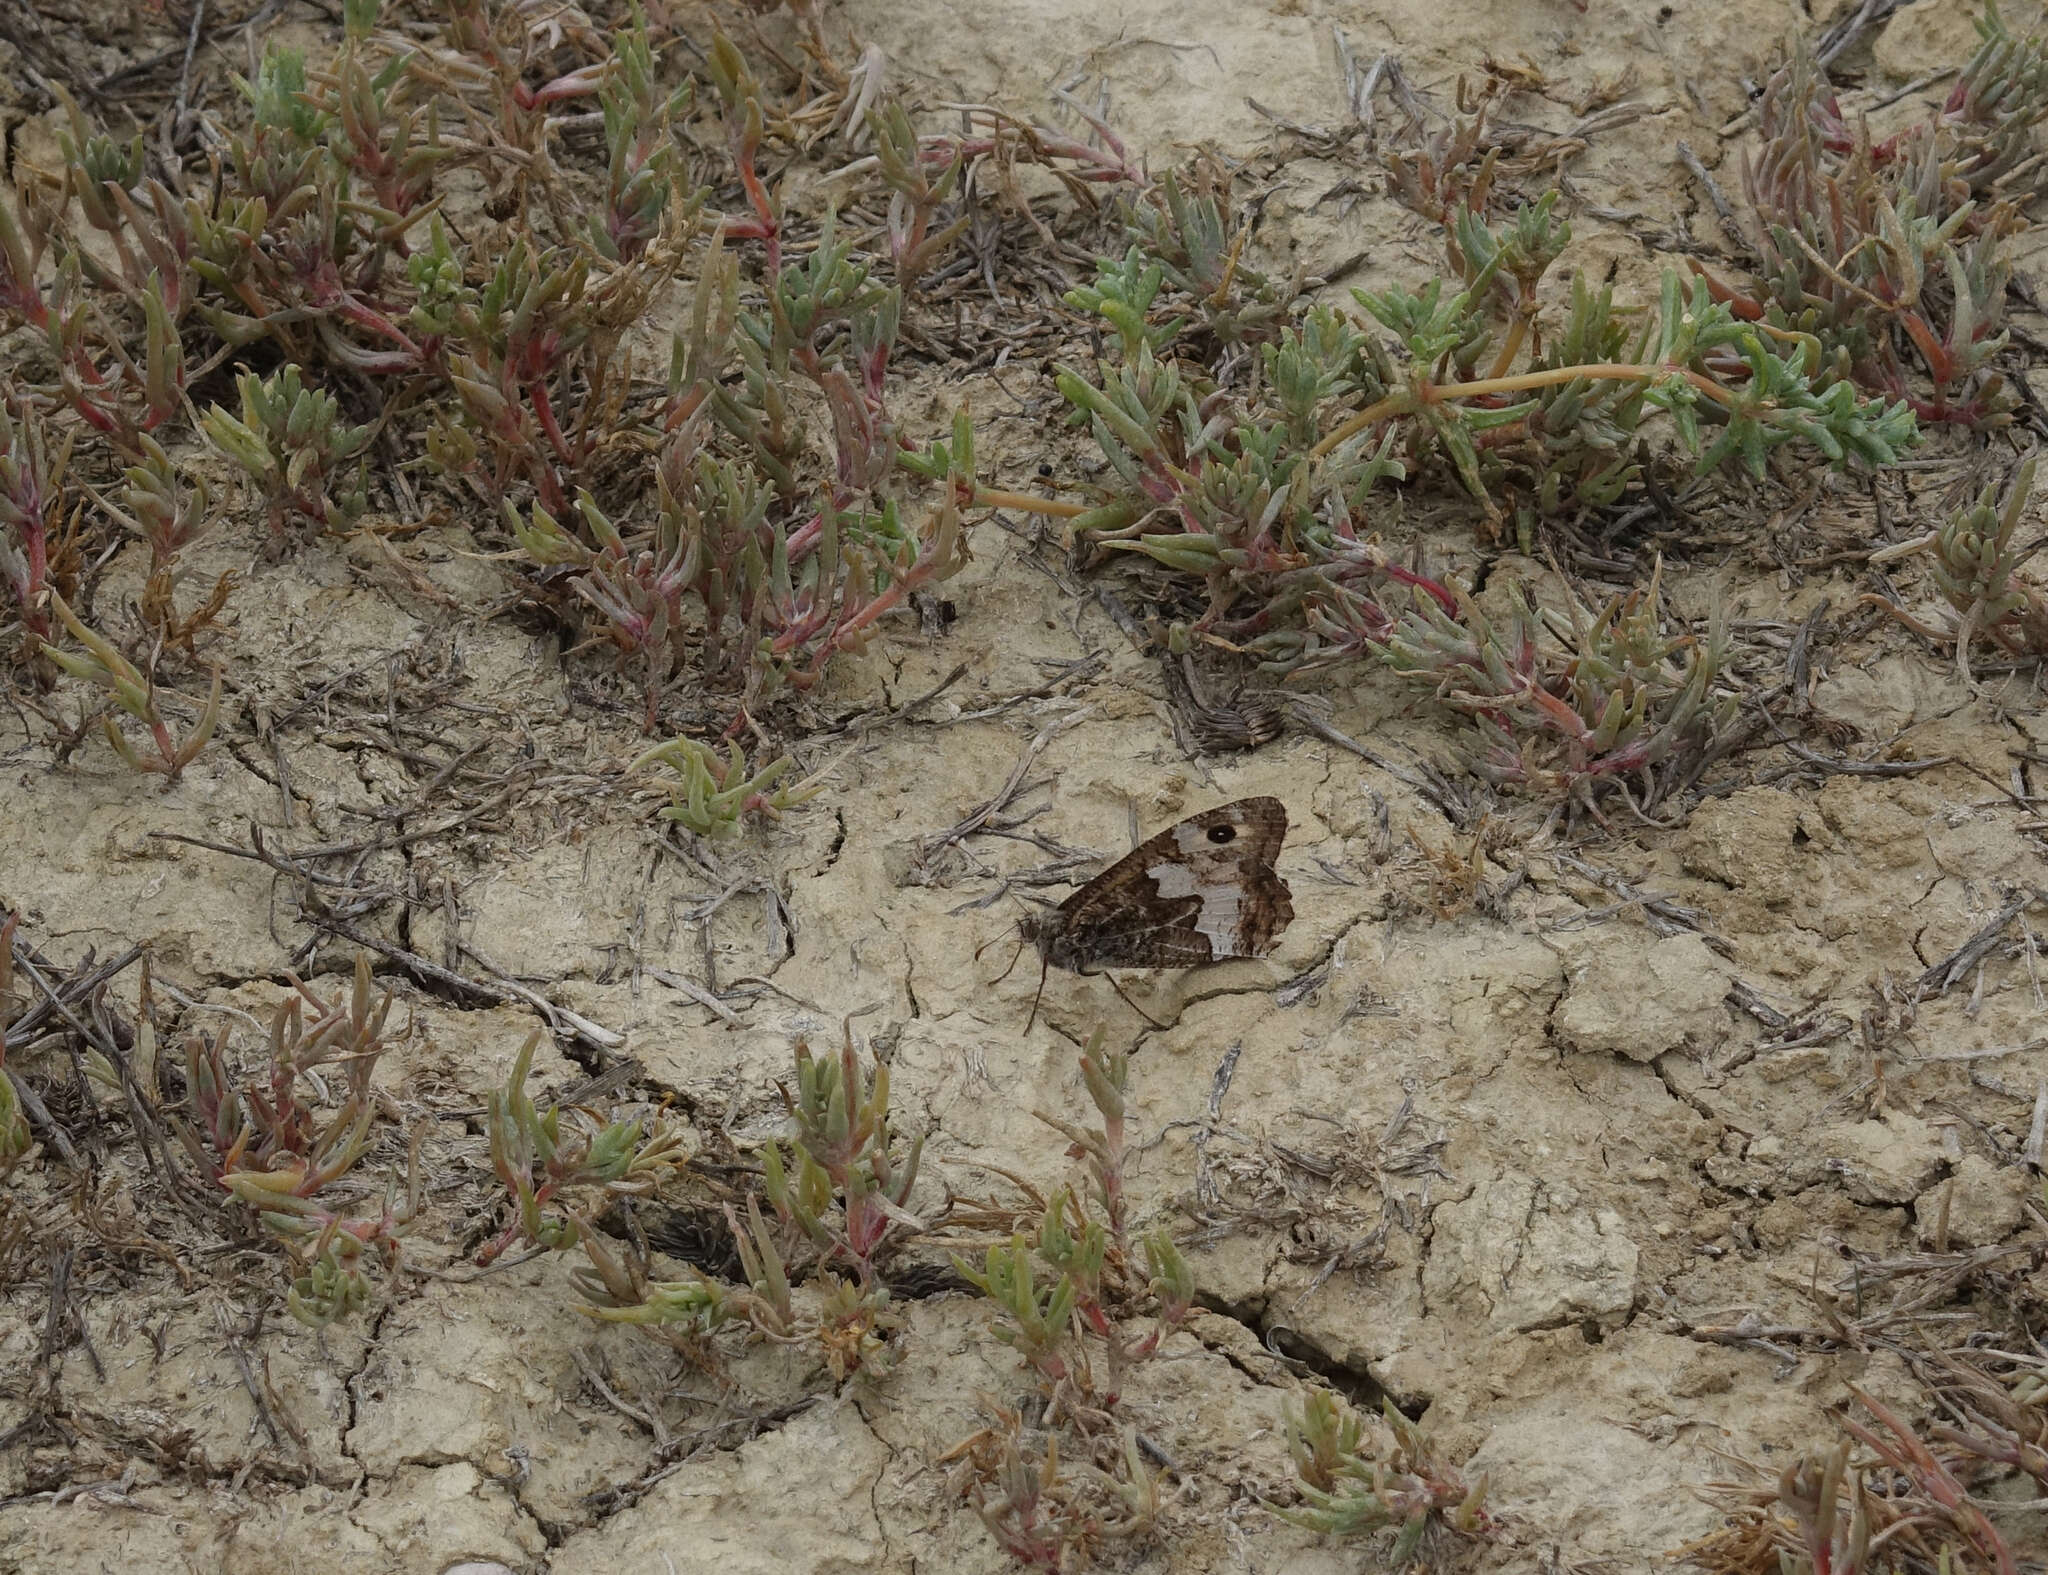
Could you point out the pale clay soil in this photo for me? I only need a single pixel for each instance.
(1617, 1170)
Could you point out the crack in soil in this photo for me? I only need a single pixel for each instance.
(1697, 1106)
(1303, 1355)
(1324, 958)
(875, 1486)
(910, 984)
(838, 846)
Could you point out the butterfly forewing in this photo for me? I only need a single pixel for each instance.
(1200, 891)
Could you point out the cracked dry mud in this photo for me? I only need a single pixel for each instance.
(1522, 1169)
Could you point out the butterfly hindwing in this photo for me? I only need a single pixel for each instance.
(1200, 891)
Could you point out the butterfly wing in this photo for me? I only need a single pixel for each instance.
(1201, 891)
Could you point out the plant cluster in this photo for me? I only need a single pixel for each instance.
(1976, 566)
(1893, 1495)
(1352, 1485)
(1253, 442)
(1083, 1245)
(812, 1245)
(274, 1150)
(2000, 1402)
(1564, 701)
(757, 570)
(135, 692)
(1064, 1291)
(35, 554)
(553, 1169)
(839, 1193)
(1900, 1509)
(846, 1191)
(1047, 1518)
(1895, 254)
(1276, 468)
(711, 795)
(1264, 489)
(737, 526)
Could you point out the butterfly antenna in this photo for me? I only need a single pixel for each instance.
(985, 945)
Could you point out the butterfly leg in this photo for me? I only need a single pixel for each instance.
(1133, 1005)
(1044, 963)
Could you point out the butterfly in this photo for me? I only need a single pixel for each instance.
(1201, 891)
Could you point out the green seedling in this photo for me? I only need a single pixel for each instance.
(273, 1149)
(292, 442)
(135, 693)
(31, 513)
(547, 1163)
(1976, 564)
(1352, 1485)
(711, 795)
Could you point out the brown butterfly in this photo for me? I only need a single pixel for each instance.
(1201, 891)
